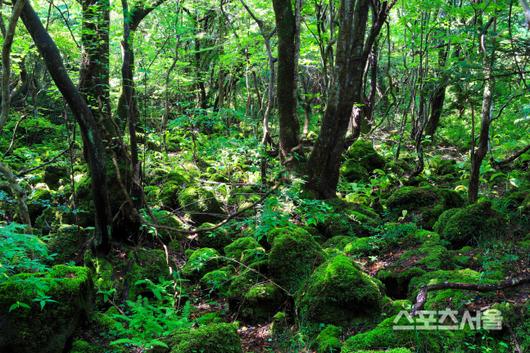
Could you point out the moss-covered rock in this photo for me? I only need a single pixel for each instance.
(82, 346)
(218, 281)
(213, 338)
(43, 329)
(217, 239)
(147, 264)
(53, 174)
(338, 242)
(236, 249)
(423, 205)
(200, 204)
(363, 246)
(348, 218)
(363, 152)
(471, 225)
(328, 340)
(385, 337)
(412, 263)
(261, 302)
(69, 243)
(337, 293)
(200, 262)
(293, 256)
(448, 298)
(352, 170)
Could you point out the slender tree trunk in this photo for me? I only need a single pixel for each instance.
(478, 153)
(94, 148)
(288, 37)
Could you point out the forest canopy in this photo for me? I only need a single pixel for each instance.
(235, 176)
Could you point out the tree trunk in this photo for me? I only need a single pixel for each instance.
(286, 24)
(353, 48)
(95, 152)
(478, 153)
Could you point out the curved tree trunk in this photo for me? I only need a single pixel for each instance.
(94, 148)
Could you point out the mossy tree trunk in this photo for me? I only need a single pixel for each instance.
(94, 147)
(345, 93)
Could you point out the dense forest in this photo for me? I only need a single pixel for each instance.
(328, 176)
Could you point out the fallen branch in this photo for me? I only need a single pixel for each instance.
(421, 298)
(500, 164)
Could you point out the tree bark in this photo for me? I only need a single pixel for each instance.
(478, 153)
(288, 37)
(94, 148)
(345, 93)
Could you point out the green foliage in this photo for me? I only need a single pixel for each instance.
(147, 323)
(20, 252)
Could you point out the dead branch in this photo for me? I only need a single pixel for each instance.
(421, 298)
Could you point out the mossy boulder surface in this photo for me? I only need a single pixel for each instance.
(337, 293)
(471, 225)
(147, 264)
(423, 204)
(363, 152)
(46, 329)
(328, 340)
(293, 256)
(200, 262)
(261, 302)
(201, 205)
(449, 298)
(239, 247)
(383, 337)
(212, 338)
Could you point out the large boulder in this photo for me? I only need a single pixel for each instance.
(422, 204)
(337, 293)
(43, 325)
(212, 338)
(470, 225)
(293, 256)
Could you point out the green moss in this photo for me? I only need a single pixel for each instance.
(200, 262)
(218, 281)
(242, 282)
(237, 247)
(385, 337)
(363, 152)
(352, 170)
(213, 338)
(147, 264)
(441, 299)
(363, 246)
(261, 302)
(82, 346)
(328, 340)
(48, 329)
(471, 225)
(423, 204)
(217, 239)
(200, 204)
(337, 293)
(338, 242)
(293, 256)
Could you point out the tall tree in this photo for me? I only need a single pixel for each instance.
(354, 44)
(288, 29)
(94, 147)
(479, 150)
